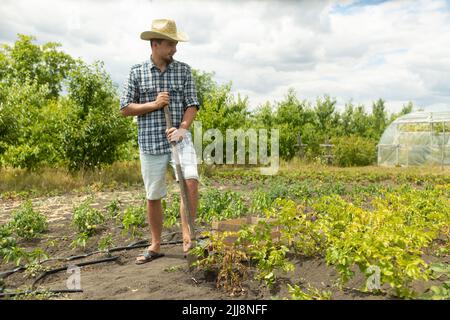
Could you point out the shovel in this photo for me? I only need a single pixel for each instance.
(187, 203)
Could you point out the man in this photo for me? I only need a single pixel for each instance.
(151, 85)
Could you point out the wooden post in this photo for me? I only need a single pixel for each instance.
(300, 146)
(328, 155)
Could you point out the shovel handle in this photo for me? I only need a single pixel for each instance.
(183, 188)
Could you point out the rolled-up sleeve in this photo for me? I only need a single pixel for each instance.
(130, 93)
(190, 91)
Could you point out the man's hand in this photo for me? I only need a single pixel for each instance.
(174, 134)
(162, 99)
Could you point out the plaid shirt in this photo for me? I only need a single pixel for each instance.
(143, 84)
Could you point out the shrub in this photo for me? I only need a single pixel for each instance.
(354, 151)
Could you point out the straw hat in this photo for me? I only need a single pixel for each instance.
(164, 29)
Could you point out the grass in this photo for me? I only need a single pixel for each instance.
(297, 169)
(52, 181)
(20, 183)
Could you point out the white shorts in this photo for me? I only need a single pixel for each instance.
(154, 167)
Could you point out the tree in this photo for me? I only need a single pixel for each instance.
(94, 130)
(44, 64)
(361, 122)
(262, 116)
(204, 83)
(290, 117)
(24, 119)
(346, 127)
(378, 119)
(324, 111)
(407, 108)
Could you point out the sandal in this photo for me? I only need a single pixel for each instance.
(149, 255)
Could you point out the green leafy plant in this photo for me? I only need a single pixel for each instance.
(260, 202)
(105, 242)
(80, 240)
(37, 255)
(87, 219)
(33, 269)
(311, 293)
(28, 223)
(113, 208)
(174, 268)
(218, 205)
(14, 254)
(298, 230)
(441, 292)
(133, 218)
(229, 262)
(392, 236)
(171, 211)
(87, 137)
(261, 249)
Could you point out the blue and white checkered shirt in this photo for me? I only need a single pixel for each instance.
(143, 84)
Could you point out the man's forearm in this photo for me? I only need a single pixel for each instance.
(137, 109)
(188, 117)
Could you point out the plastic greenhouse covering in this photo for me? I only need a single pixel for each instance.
(416, 139)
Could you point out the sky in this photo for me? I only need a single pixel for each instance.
(356, 51)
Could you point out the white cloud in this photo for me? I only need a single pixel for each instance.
(395, 50)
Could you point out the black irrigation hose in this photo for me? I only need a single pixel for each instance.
(12, 294)
(138, 244)
(130, 246)
(99, 251)
(10, 272)
(146, 244)
(46, 273)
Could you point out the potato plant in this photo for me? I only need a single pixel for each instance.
(87, 219)
(28, 223)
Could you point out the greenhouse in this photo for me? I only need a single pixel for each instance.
(416, 139)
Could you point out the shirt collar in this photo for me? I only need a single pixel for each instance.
(153, 65)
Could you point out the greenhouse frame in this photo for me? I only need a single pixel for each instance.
(416, 139)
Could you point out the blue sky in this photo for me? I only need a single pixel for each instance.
(350, 50)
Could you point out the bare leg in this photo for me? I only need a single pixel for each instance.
(192, 193)
(155, 218)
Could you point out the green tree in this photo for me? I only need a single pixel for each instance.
(378, 119)
(263, 116)
(45, 64)
(290, 117)
(24, 122)
(407, 108)
(324, 111)
(361, 122)
(31, 79)
(204, 83)
(346, 123)
(292, 111)
(94, 131)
